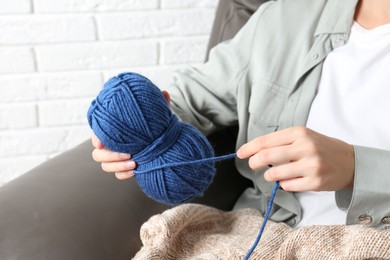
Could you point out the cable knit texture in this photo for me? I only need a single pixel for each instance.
(193, 231)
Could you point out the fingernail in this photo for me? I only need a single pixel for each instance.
(239, 153)
(130, 165)
(124, 156)
(130, 173)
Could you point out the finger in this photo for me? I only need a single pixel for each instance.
(296, 185)
(285, 171)
(274, 155)
(105, 155)
(167, 97)
(96, 142)
(124, 175)
(279, 138)
(118, 166)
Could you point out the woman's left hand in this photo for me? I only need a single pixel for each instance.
(303, 160)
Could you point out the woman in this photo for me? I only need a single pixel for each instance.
(306, 83)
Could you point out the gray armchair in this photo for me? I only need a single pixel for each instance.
(67, 208)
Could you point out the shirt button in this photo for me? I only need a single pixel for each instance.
(315, 56)
(386, 220)
(365, 219)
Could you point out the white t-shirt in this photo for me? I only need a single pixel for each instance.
(352, 104)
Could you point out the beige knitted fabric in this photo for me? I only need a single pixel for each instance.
(193, 231)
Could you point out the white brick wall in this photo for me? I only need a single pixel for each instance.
(56, 55)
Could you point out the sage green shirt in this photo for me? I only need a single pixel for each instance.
(265, 79)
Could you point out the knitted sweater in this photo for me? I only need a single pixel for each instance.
(193, 231)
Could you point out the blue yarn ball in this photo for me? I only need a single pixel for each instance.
(130, 115)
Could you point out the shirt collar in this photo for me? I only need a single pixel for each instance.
(337, 17)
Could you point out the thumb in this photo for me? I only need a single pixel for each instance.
(167, 97)
(96, 142)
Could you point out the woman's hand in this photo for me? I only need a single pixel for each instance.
(166, 96)
(119, 163)
(303, 160)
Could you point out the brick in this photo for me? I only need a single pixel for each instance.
(97, 55)
(63, 112)
(74, 136)
(188, 50)
(161, 76)
(16, 60)
(50, 6)
(11, 168)
(15, 7)
(18, 115)
(154, 24)
(33, 141)
(48, 86)
(46, 29)
(188, 3)
(41, 141)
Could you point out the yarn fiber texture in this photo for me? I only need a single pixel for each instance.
(130, 115)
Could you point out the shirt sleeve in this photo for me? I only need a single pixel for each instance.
(206, 95)
(368, 203)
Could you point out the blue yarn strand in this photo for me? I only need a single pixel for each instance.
(177, 164)
(266, 217)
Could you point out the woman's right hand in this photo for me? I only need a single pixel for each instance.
(113, 162)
